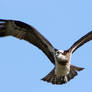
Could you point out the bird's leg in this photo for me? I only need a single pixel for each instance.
(65, 79)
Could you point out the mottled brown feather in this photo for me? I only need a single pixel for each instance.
(80, 42)
(24, 31)
(52, 78)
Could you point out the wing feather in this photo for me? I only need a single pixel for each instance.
(24, 31)
(81, 41)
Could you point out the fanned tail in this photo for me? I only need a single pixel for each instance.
(52, 78)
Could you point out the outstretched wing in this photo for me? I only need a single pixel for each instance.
(81, 41)
(24, 31)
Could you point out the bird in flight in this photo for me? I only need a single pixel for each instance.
(63, 70)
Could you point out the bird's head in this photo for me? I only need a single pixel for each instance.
(61, 57)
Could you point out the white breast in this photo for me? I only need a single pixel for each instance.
(61, 70)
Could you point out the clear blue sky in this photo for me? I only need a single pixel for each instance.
(62, 22)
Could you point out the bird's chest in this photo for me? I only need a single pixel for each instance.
(62, 70)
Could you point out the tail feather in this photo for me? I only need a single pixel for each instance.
(52, 78)
(72, 73)
(77, 68)
(49, 76)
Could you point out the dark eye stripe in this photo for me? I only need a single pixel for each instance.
(58, 52)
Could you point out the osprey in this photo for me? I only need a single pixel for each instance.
(63, 70)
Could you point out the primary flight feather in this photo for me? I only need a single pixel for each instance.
(63, 70)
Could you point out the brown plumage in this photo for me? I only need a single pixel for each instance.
(81, 41)
(63, 70)
(51, 77)
(24, 31)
